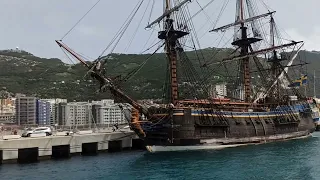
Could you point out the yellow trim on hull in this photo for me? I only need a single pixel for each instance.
(230, 116)
(255, 116)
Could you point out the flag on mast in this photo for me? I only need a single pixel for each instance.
(299, 82)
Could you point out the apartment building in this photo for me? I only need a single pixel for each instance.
(218, 90)
(75, 113)
(26, 108)
(54, 109)
(43, 113)
(106, 112)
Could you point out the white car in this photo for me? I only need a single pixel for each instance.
(38, 130)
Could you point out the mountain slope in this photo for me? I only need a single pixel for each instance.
(22, 72)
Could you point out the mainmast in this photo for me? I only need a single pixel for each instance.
(171, 36)
(244, 43)
(245, 61)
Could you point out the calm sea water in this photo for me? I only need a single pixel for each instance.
(297, 159)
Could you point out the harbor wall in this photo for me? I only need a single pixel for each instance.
(36, 148)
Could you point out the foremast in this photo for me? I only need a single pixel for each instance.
(171, 36)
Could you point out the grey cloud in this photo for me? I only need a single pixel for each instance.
(34, 24)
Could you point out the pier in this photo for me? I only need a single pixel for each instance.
(15, 149)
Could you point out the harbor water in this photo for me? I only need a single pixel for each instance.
(296, 159)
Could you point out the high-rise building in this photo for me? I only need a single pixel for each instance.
(221, 90)
(75, 113)
(218, 90)
(26, 108)
(104, 112)
(107, 112)
(54, 103)
(60, 113)
(43, 113)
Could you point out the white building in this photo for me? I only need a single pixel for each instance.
(104, 102)
(221, 90)
(107, 112)
(104, 112)
(76, 113)
(53, 107)
(218, 90)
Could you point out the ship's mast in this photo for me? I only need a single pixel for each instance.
(245, 63)
(275, 69)
(167, 5)
(244, 50)
(172, 55)
(241, 12)
(274, 58)
(170, 35)
(244, 44)
(314, 84)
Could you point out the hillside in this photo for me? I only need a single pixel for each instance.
(22, 72)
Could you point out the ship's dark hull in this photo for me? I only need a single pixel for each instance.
(220, 143)
(196, 127)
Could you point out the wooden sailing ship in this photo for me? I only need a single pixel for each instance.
(271, 113)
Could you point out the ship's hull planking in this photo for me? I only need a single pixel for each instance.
(193, 129)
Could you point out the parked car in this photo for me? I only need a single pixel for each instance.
(29, 131)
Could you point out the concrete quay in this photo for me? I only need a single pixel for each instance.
(32, 149)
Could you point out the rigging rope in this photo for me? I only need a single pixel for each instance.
(220, 13)
(266, 6)
(135, 33)
(148, 39)
(165, 87)
(153, 2)
(134, 72)
(201, 9)
(189, 71)
(68, 56)
(195, 35)
(80, 19)
(122, 29)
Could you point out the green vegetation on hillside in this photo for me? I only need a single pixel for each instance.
(22, 72)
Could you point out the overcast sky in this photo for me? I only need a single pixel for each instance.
(33, 25)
